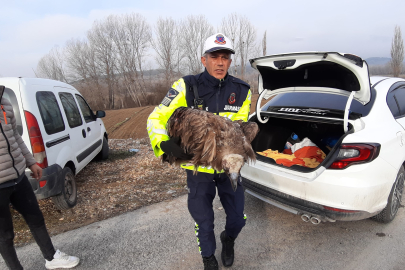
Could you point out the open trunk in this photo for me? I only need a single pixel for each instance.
(275, 132)
(314, 95)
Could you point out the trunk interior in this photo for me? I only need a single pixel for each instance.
(274, 134)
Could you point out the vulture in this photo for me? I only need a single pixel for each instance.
(214, 141)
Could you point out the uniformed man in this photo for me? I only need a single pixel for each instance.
(218, 92)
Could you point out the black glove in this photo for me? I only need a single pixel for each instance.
(172, 147)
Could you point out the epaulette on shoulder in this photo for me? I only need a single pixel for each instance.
(237, 80)
(190, 80)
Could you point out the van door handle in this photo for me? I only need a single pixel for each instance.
(88, 129)
(84, 133)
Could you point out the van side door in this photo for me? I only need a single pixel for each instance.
(93, 125)
(82, 145)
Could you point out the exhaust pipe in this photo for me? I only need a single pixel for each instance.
(315, 220)
(305, 217)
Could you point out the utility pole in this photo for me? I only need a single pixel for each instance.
(264, 43)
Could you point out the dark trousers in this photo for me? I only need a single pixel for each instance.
(24, 201)
(200, 197)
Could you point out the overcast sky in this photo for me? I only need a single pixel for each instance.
(29, 29)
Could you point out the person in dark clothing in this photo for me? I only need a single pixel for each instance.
(215, 91)
(16, 190)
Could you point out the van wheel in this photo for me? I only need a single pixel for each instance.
(394, 200)
(68, 198)
(103, 155)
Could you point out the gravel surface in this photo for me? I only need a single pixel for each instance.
(124, 182)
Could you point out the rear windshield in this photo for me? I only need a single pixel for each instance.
(50, 112)
(317, 100)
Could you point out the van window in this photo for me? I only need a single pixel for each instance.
(86, 111)
(71, 110)
(10, 95)
(50, 112)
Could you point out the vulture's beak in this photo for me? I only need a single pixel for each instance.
(231, 164)
(234, 177)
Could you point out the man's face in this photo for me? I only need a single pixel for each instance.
(217, 63)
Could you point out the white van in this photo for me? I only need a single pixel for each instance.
(60, 129)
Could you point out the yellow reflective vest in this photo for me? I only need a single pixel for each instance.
(229, 97)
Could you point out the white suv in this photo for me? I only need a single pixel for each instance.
(64, 134)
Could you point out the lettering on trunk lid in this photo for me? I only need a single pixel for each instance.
(307, 111)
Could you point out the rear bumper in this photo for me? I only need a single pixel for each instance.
(361, 187)
(54, 182)
(299, 206)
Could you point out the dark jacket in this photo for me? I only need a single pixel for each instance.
(220, 96)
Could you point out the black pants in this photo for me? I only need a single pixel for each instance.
(24, 201)
(200, 197)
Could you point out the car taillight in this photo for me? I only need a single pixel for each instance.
(350, 154)
(42, 183)
(37, 143)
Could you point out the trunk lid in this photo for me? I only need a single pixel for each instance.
(323, 72)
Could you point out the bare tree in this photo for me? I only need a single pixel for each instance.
(167, 47)
(397, 52)
(195, 30)
(52, 66)
(76, 59)
(247, 43)
(108, 67)
(104, 57)
(131, 35)
(85, 72)
(181, 68)
(264, 44)
(384, 69)
(243, 34)
(230, 27)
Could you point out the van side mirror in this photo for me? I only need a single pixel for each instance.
(100, 114)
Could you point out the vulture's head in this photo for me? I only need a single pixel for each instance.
(232, 164)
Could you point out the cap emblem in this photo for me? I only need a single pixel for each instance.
(220, 39)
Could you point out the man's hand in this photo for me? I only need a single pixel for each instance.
(172, 147)
(36, 171)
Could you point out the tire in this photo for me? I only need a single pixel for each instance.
(103, 155)
(394, 199)
(68, 198)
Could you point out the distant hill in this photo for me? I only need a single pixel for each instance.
(377, 60)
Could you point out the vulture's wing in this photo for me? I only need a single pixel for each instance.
(195, 128)
(250, 129)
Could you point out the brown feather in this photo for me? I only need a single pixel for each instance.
(210, 137)
(250, 129)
